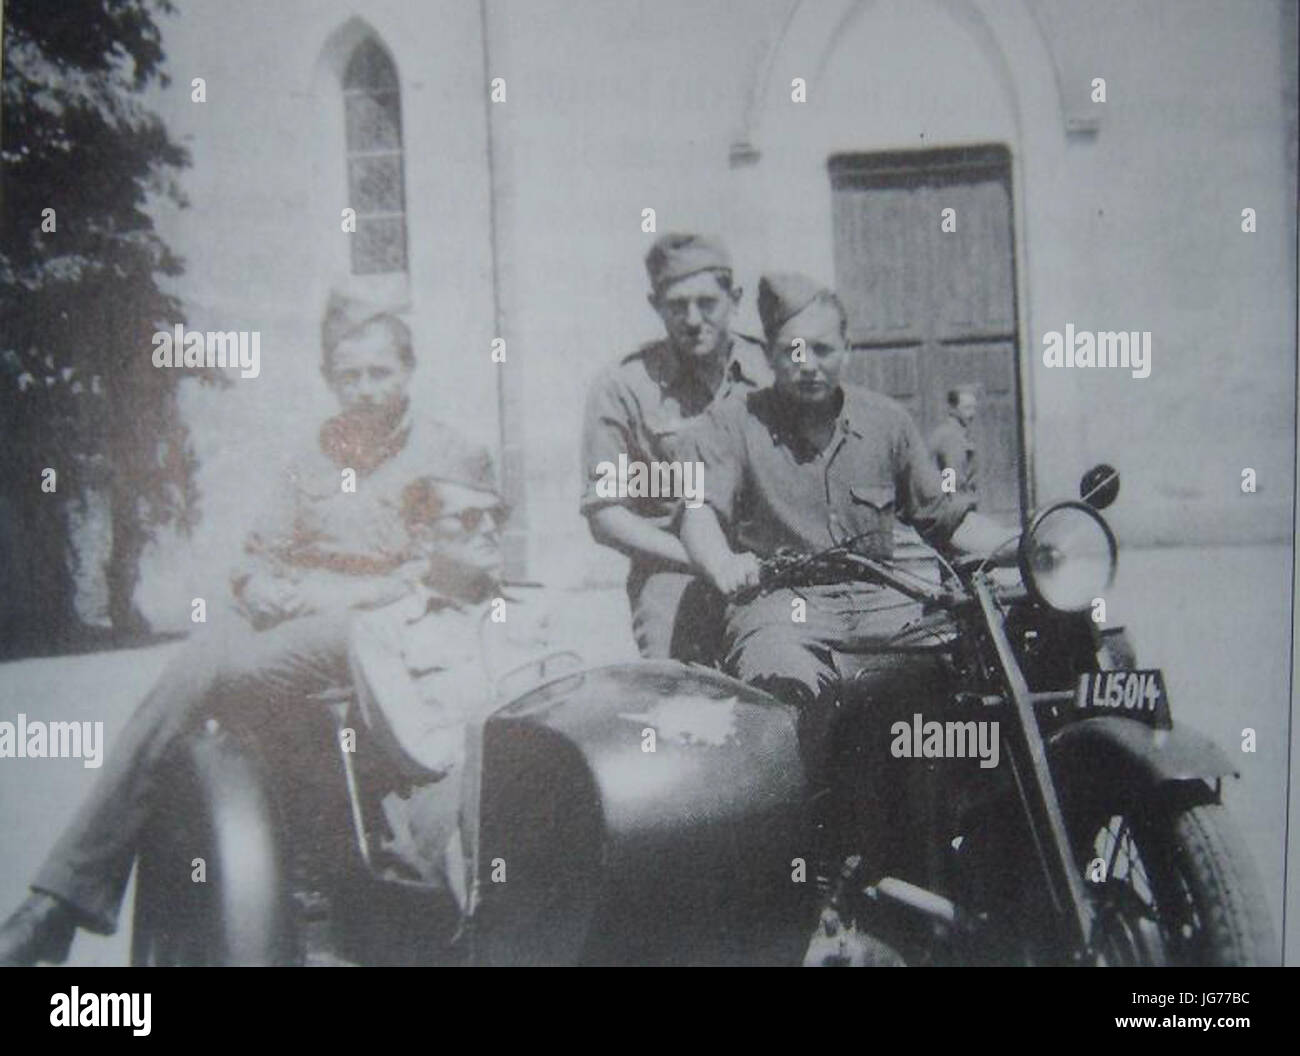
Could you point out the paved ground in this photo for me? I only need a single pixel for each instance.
(1216, 619)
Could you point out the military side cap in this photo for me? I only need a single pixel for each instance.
(422, 499)
(675, 256)
(783, 295)
(345, 315)
(470, 467)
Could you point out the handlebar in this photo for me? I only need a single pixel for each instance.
(838, 565)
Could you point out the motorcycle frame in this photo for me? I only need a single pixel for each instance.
(1035, 785)
(1031, 773)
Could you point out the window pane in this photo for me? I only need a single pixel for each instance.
(370, 68)
(373, 135)
(375, 184)
(379, 245)
(374, 121)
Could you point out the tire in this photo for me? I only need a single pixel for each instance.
(212, 804)
(1177, 886)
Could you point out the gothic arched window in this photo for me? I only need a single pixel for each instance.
(373, 107)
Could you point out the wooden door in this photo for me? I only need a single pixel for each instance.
(931, 309)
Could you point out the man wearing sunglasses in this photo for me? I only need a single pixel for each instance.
(326, 552)
(637, 408)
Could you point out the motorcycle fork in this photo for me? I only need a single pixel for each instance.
(1034, 785)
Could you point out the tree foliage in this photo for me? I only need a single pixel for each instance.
(79, 303)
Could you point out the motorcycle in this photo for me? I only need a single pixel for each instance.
(656, 812)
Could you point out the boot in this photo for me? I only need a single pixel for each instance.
(41, 929)
(837, 941)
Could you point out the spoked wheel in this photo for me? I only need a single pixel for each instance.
(1172, 884)
(1128, 928)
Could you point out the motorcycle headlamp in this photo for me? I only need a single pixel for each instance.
(1068, 556)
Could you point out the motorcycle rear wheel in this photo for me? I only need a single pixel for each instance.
(1173, 885)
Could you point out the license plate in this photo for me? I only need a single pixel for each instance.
(1136, 695)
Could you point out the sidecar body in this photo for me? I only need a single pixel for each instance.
(642, 813)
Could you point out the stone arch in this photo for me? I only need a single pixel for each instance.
(334, 51)
(994, 48)
(814, 30)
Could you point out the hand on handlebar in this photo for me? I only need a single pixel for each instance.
(736, 572)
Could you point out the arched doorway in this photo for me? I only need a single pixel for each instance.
(912, 108)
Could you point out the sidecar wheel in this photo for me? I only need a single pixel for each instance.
(233, 909)
(1176, 886)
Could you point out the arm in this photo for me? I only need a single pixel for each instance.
(620, 528)
(268, 596)
(977, 534)
(322, 591)
(708, 548)
(715, 442)
(286, 572)
(941, 518)
(607, 433)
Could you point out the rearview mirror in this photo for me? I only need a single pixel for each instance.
(1099, 486)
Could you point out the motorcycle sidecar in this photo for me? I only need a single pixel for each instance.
(644, 813)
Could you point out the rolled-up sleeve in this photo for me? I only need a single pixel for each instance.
(715, 441)
(606, 433)
(923, 503)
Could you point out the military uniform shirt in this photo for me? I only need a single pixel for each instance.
(640, 406)
(954, 449)
(316, 525)
(769, 491)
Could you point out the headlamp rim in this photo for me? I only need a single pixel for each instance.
(1027, 538)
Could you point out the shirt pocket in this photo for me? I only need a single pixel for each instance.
(873, 507)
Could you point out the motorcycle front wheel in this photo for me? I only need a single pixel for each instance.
(1172, 884)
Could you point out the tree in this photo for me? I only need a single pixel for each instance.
(80, 298)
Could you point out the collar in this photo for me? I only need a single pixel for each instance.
(847, 422)
(747, 361)
(783, 423)
(363, 444)
(740, 364)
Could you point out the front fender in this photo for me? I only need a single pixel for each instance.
(1119, 751)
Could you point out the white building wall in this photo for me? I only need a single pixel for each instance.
(639, 104)
(1134, 227)
(264, 244)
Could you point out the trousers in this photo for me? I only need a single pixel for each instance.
(90, 863)
(787, 641)
(822, 648)
(675, 615)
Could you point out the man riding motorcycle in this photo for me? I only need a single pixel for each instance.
(331, 552)
(807, 464)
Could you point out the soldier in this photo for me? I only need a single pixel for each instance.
(322, 557)
(952, 443)
(806, 464)
(637, 408)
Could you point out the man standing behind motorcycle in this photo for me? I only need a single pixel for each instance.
(807, 464)
(326, 552)
(637, 408)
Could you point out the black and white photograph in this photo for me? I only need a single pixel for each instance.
(648, 483)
